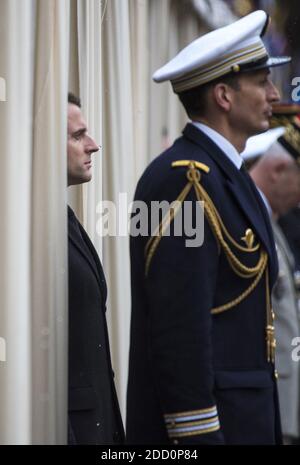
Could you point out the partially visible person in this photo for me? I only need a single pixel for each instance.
(290, 222)
(94, 415)
(290, 225)
(276, 173)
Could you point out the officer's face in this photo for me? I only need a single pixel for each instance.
(80, 147)
(252, 101)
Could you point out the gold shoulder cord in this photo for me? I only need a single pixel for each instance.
(220, 231)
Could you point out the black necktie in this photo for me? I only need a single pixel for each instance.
(243, 169)
(256, 196)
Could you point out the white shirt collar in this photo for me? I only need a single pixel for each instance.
(266, 202)
(229, 150)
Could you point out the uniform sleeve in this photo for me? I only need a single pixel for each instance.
(180, 289)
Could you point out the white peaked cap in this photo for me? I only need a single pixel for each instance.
(234, 48)
(258, 145)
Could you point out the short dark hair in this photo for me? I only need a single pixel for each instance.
(195, 100)
(72, 98)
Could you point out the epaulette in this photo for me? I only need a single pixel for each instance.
(189, 163)
(193, 176)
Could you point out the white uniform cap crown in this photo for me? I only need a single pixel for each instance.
(218, 53)
(258, 145)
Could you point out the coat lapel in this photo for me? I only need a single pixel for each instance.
(87, 250)
(96, 261)
(254, 212)
(245, 194)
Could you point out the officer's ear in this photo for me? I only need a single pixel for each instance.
(223, 95)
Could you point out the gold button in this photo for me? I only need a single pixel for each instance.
(276, 374)
(235, 68)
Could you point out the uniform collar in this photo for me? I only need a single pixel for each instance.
(226, 147)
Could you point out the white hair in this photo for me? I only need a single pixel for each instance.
(277, 152)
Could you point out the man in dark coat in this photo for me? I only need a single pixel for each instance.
(201, 367)
(94, 415)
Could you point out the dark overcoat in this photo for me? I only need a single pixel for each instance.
(94, 415)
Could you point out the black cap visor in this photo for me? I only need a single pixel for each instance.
(266, 62)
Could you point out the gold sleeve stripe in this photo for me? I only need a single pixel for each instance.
(190, 413)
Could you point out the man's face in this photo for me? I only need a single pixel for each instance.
(252, 102)
(287, 195)
(80, 147)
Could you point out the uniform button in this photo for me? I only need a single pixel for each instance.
(99, 346)
(175, 441)
(98, 424)
(276, 374)
(116, 437)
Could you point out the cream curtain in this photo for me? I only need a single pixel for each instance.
(173, 25)
(85, 81)
(33, 273)
(49, 231)
(89, 53)
(125, 69)
(15, 207)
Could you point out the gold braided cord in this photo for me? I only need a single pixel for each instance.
(219, 230)
(291, 134)
(210, 211)
(167, 216)
(231, 239)
(152, 244)
(244, 294)
(270, 330)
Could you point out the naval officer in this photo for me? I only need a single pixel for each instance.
(202, 337)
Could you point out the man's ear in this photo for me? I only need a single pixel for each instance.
(278, 169)
(223, 96)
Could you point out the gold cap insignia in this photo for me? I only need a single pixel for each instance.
(235, 68)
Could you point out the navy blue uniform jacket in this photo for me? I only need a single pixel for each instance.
(195, 377)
